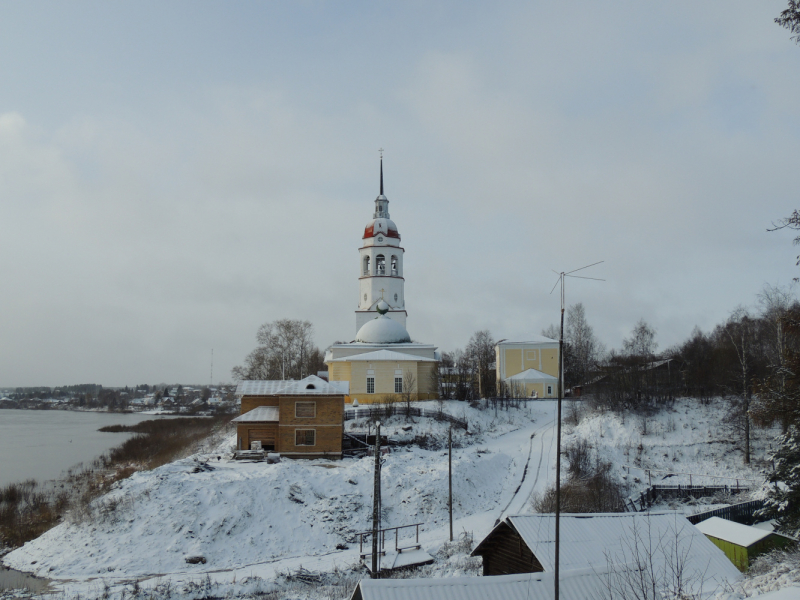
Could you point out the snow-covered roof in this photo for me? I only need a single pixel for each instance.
(531, 339)
(382, 330)
(260, 414)
(735, 533)
(590, 540)
(532, 375)
(310, 385)
(531, 586)
(388, 355)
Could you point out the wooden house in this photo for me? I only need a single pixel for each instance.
(526, 544)
(303, 419)
(741, 543)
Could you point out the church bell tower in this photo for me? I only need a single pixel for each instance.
(381, 266)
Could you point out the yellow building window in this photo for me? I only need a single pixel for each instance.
(370, 385)
(531, 354)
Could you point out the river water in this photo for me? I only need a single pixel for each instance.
(42, 444)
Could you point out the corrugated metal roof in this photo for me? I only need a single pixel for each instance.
(260, 414)
(532, 375)
(388, 355)
(311, 385)
(576, 585)
(592, 540)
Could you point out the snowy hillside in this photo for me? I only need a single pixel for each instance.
(254, 520)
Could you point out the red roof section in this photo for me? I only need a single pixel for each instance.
(369, 232)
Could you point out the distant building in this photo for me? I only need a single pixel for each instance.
(303, 419)
(382, 361)
(527, 367)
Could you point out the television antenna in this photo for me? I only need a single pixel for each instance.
(561, 278)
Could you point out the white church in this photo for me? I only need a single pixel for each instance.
(382, 362)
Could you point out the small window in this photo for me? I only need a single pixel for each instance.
(531, 354)
(370, 385)
(395, 297)
(549, 390)
(398, 385)
(305, 437)
(305, 409)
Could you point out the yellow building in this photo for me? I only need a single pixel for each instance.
(528, 367)
(383, 364)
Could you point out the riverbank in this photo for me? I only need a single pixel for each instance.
(29, 508)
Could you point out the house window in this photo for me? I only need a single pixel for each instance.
(398, 385)
(305, 437)
(370, 385)
(305, 409)
(549, 390)
(531, 354)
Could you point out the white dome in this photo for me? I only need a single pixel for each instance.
(382, 330)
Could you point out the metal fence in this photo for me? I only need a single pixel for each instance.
(384, 412)
(738, 513)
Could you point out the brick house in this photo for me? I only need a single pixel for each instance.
(303, 419)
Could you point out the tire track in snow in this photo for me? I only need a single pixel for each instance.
(525, 470)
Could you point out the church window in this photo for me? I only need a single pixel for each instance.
(395, 297)
(305, 437)
(305, 409)
(398, 385)
(366, 265)
(380, 265)
(365, 297)
(370, 385)
(394, 265)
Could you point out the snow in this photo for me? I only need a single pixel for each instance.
(255, 522)
(735, 533)
(260, 414)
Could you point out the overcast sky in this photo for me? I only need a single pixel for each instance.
(174, 174)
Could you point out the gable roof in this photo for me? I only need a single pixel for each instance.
(260, 414)
(387, 355)
(735, 533)
(525, 586)
(532, 339)
(591, 540)
(311, 385)
(532, 375)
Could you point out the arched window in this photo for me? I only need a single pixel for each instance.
(395, 272)
(380, 265)
(366, 265)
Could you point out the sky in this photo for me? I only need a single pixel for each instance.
(173, 175)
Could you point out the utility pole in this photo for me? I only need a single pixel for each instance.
(376, 502)
(561, 277)
(450, 477)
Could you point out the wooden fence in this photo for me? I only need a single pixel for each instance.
(384, 412)
(738, 513)
(653, 493)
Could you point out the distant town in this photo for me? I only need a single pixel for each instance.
(162, 398)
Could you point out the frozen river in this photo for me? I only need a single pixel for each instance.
(41, 444)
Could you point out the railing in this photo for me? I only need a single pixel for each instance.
(384, 412)
(382, 540)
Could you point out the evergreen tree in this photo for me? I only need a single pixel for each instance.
(783, 501)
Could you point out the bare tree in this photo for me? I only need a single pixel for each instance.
(409, 392)
(583, 344)
(740, 330)
(285, 351)
(480, 349)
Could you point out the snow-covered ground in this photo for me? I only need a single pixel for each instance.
(255, 524)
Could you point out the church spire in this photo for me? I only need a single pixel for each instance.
(381, 202)
(381, 174)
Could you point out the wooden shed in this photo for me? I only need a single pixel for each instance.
(526, 544)
(303, 419)
(741, 543)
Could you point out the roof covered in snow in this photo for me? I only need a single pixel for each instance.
(532, 375)
(377, 355)
(382, 330)
(311, 385)
(531, 339)
(526, 586)
(591, 540)
(260, 414)
(735, 533)
(381, 226)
